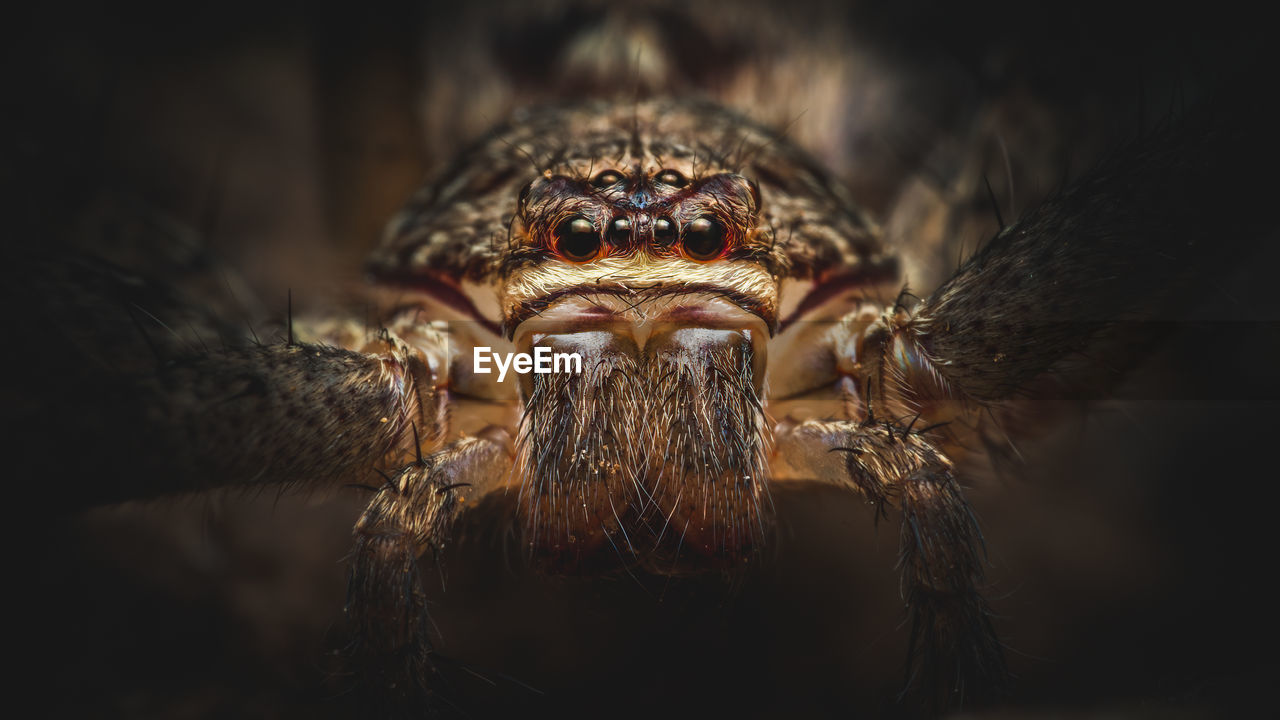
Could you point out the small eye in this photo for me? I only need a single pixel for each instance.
(577, 239)
(664, 231)
(672, 178)
(607, 178)
(704, 239)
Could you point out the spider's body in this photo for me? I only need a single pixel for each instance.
(743, 328)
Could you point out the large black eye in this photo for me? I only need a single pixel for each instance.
(704, 238)
(577, 239)
(607, 178)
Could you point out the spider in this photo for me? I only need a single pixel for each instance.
(743, 330)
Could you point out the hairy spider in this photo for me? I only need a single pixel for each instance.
(743, 328)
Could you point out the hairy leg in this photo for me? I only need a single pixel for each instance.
(183, 405)
(1089, 277)
(413, 512)
(160, 396)
(1059, 302)
(956, 657)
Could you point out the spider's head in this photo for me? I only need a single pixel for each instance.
(638, 252)
(666, 244)
(635, 236)
(689, 190)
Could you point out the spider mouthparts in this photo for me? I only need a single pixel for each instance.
(653, 452)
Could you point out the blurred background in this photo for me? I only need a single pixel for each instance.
(1131, 547)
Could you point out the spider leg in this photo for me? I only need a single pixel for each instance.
(301, 414)
(412, 513)
(156, 408)
(1132, 244)
(955, 655)
(1079, 276)
(325, 405)
(1058, 306)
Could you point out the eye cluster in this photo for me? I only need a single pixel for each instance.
(579, 239)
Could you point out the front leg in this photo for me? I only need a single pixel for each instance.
(955, 653)
(413, 512)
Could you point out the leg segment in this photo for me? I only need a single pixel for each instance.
(138, 390)
(1139, 238)
(955, 655)
(153, 411)
(413, 512)
(287, 414)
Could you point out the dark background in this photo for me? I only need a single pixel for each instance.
(1132, 553)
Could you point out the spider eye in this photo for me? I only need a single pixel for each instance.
(672, 178)
(704, 239)
(620, 231)
(607, 178)
(577, 239)
(664, 231)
